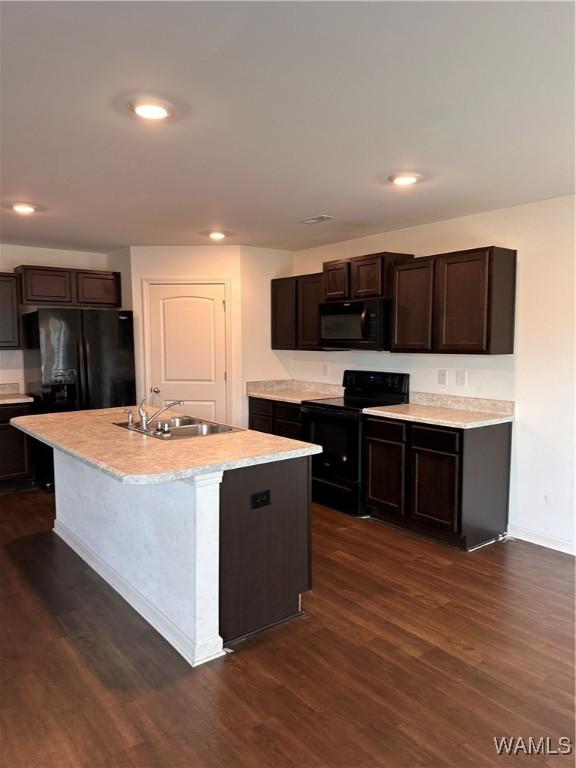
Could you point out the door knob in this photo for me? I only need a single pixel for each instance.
(156, 390)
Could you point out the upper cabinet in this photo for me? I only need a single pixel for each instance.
(310, 293)
(284, 313)
(412, 295)
(371, 276)
(59, 286)
(459, 302)
(336, 275)
(9, 319)
(98, 288)
(295, 311)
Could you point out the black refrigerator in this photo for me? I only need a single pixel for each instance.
(76, 359)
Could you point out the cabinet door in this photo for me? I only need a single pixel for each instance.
(366, 275)
(9, 318)
(435, 488)
(14, 454)
(336, 275)
(46, 285)
(284, 313)
(461, 302)
(384, 476)
(412, 306)
(98, 288)
(310, 296)
(384, 467)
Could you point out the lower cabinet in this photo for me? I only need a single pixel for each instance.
(446, 482)
(264, 545)
(274, 417)
(15, 464)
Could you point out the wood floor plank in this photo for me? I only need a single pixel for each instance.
(410, 653)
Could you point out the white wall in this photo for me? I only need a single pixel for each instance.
(12, 256)
(258, 267)
(539, 376)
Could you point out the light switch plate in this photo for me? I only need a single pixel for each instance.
(442, 376)
(461, 378)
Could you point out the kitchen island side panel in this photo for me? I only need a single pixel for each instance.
(155, 544)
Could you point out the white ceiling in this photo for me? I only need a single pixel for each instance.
(286, 110)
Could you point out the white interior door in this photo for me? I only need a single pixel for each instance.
(188, 347)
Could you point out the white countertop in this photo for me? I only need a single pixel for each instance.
(443, 417)
(13, 398)
(130, 457)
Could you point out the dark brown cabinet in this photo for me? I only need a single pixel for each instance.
(459, 302)
(46, 285)
(265, 553)
(474, 297)
(412, 297)
(15, 462)
(385, 461)
(284, 315)
(310, 294)
(59, 286)
(448, 483)
(371, 276)
(9, 317)
(296, 311)
(336, 275)
(98, 288)
(274, 417)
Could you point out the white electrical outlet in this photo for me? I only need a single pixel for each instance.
(442, 376)
(461, 378)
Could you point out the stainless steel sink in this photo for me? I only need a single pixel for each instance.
(179, 427)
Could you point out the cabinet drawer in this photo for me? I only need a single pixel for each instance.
(284, 428)
(436, 439)
(261, 407)
(288, 412)
(381, 429)
(8, 412)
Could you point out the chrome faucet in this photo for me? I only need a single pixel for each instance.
(146, 420)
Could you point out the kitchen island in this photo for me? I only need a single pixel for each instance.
(205, 537)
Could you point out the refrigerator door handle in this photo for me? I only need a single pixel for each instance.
(82, 376)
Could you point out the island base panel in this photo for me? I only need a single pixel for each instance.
(264, 545)
(157, 545)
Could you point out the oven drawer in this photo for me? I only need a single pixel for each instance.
(435, 438)
(382, 429)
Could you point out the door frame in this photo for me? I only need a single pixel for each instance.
(147, 283)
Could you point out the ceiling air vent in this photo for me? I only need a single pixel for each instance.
(318, 219)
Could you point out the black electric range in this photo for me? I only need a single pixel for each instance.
(336, 425)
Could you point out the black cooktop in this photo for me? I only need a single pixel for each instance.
(368, 389)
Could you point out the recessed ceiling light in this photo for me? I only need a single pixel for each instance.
(24, 209)
(404, 179)
(318, 219)
(217, 235)
(151, 109)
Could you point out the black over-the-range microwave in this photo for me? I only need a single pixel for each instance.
(362, 324)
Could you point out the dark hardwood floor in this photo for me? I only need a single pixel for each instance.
(411, 654)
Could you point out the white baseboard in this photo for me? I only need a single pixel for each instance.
(526, 534)
(194, 653)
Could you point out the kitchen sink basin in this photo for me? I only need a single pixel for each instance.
(179, 427)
